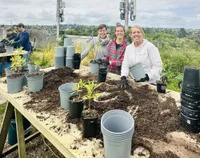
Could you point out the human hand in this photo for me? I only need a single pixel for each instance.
(124, 83)
(146, 78)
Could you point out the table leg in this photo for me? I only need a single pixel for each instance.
(5, 125)
(20, 134)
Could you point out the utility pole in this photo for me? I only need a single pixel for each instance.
(126, 14)
(58, 18)
(59, 15)
(125, 8)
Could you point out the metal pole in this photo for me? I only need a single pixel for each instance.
(126, 14)
(58, 18)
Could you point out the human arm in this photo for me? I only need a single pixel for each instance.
(87, 50)
(21, 40)
(155, 61)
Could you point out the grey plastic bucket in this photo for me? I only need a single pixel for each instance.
(9, 49)
(67, 42)
(8, 71)
(59, 52)
(137, 71)
(69, 62)
(117, 127)
(33, 68)
(94, 68)
(15, 85)
(35, 84)
(65, 91)
(59, 62)
(70, 51)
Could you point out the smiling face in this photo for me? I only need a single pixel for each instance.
(119, 32)
(102, 33)
(137, 35)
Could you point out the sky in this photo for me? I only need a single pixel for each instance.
(149, 13)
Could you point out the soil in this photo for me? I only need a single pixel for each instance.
(34, 75)
(15, 75)
(154, 116)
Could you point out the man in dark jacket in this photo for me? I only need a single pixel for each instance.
(22, 39)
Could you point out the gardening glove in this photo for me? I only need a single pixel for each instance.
(124, 83)
(146, 78)
(99, 61)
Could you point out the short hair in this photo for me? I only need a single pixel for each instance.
(9, 29)
(20, 25)
(141, 30)
(101, 26)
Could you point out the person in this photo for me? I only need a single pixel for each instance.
(115, 51)
(23, 39)
(99, 43)
(141, 51)
(11, 35)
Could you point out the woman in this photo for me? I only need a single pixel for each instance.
(141, 51)
(98, 43)
(115, 51)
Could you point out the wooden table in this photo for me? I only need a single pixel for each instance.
(11, 54)
(64, 139)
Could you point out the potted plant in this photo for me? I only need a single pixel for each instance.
(33, 65)
(161, 85)
(16, 80)
(76, 101)
(89, 115)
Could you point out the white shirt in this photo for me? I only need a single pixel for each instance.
(147, 54)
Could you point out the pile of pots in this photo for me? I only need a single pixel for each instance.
(65, 56)
(190, 100)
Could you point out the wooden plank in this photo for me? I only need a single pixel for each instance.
(14, 147)
(44, 131)
(5, 125)
(20, 134)
(11, 54)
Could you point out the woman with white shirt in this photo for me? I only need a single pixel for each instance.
(141, 51)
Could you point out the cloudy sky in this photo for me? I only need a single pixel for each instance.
(149, 13)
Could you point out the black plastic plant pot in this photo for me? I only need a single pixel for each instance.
(190, 113)
(102, 75)
(75, 108)
(191, 121)
(188, 127)
(191, 77)
(190, 104)
(77, 56)
(90, 128)
(161, 87)
(192, 96)
(76, 63)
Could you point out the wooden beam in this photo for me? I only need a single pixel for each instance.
(14, 147)
(20, 134)
(5, 125)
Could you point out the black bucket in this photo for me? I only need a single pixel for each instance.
(75, 108)
(190, 121)
(190, 104)
(191, 77)
(76, 60)
(161, 87)
(102, 74)
(190, 113)
(90, 128)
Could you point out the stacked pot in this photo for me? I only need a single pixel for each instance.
(64, 55)
(59, 57)
(190, 99)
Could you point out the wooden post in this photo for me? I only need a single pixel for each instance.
(5, 125)
(20, 134)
